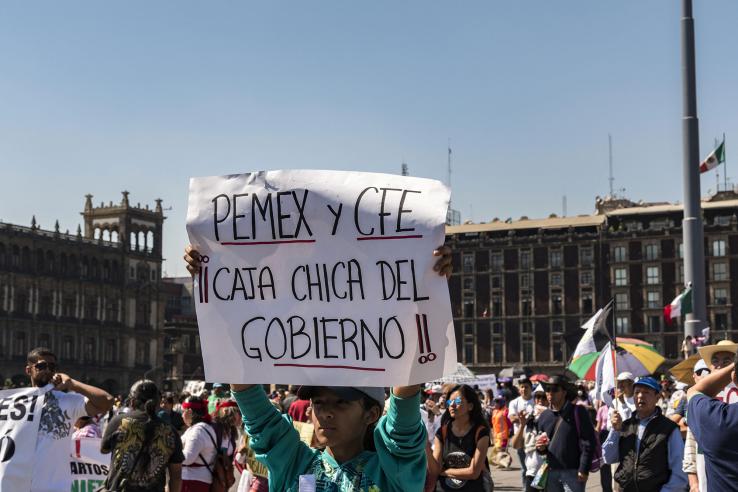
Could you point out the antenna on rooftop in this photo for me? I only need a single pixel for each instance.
(404, 169)
(611, 179)
(563, 206)
(448, 175)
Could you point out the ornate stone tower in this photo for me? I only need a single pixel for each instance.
(138, 228)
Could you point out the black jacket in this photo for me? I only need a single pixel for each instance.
(649, 469)
(569, 450)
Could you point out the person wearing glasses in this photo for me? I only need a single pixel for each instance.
(66, 402)
(460, 449)
(567, 438)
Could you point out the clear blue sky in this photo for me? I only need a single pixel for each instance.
(97, 97)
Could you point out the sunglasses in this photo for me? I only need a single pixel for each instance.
(43, 366)
(456, 402)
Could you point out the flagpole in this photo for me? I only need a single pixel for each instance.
(725, 165)
(692, 227)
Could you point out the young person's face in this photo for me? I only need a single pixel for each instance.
(721, 359)
(42, 370)
(340, 422)
(459, 406)
(525, 389)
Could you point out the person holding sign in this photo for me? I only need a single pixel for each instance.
(63, 405)
(364, 451)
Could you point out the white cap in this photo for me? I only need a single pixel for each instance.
(626, 376)
(699, 366)
(681, 386)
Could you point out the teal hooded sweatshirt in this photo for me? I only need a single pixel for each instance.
(398, 465)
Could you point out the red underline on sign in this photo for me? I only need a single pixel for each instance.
(256, 243)
(321, 366)
(380, 238)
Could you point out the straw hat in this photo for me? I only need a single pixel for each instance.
(722, 346)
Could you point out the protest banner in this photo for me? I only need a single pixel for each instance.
(193, 387)
(321, 277)
(89, 466)
(20, 415)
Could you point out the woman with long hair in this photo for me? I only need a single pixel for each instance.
(201, 443)
(460, 449)
(144, 447)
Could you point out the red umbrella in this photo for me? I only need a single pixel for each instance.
(538, 377)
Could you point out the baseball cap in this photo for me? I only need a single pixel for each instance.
(625, 376)
(349, 393)
(218, 385)
(649, 382)
(701, 365)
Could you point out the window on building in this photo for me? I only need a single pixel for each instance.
(557, 342)
(556, 256)
(468, 282)
(586, 257)
(496, 281)
(621, 277)
(587, 304)
(721, 321)
(133, 272)
(68, 348)
(653, 299)
(497, 261)
(622, 325)
(89, 349)
(585, 278)
(556, 304)
(110, 351)
(652, 252)
(526, 306)
(525, 259)
(720, 296)
(718, 247)
(654, 324)
(19, 344)
(680, 273)
(680, 250)
(621, 302)
(722, 220)
(653, 275)
(719, 271)
(142, 355)
(469, 309)
(556, 279)
(527, 341)
(496, 306)
(44, 340)
(468, 263)
(619, 253)
(469, 343)
(525, 280)
(498, 342)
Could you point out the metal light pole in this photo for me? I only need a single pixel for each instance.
(694, 251)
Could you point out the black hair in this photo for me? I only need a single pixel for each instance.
(368, 403)
(35, 354)
(476, 416)
(198, 413)
(145, 396)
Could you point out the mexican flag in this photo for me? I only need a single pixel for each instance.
(716, 157)
(682, 304)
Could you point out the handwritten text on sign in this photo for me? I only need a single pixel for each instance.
(321, 277)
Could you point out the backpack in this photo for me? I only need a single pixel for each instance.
(597, 459)
(222, 467)
(487, 483)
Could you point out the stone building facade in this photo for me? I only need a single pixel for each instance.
(182, 354)
(521, 289)
(93, 297)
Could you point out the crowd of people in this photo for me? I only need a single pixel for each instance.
(650, 434)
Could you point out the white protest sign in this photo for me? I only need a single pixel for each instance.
(20, 415)
(89, 466)
(194, 387)
(321, 277)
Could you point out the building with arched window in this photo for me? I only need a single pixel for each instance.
(94, 297)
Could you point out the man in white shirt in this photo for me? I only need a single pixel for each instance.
(58, 415)
(523, 403)
(623, 403)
